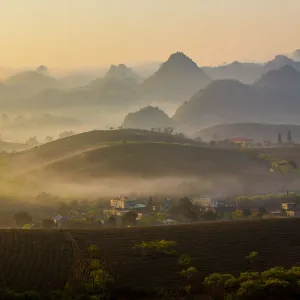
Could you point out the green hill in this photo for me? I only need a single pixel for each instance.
(143, 161)
(256, 131)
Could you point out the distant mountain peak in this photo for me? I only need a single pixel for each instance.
(179, 59)
(42, 70)
(121, 71)
(278, 62)
(285, 76)
(296, 55)
(146, 118)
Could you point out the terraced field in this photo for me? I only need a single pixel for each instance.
(39, 259)
(34, 260)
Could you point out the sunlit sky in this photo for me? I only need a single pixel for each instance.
(85, 33)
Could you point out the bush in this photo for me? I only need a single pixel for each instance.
(22, 218)
(161, 246)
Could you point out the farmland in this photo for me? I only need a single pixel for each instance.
(38, 259)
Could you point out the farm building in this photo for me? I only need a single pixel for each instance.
(288, 205)
(167, 205)
(122, 205)
(209, 202)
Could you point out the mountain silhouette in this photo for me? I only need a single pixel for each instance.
(285, 77)
(274, 99)
(147, 118)
(247, 73)
(176, 80)
(31, 82)
(122, 72)
(280, 61)
(296, 55)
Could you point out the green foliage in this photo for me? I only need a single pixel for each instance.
(11, 295)
(26, 226)
(216, 280)
(22, 218)
(48, 224)
(252, 255)
(185, 260)
(161, 246)
(130, 218)
(275, 283)
(188, 273)
(246, 212)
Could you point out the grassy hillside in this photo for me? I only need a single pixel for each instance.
(255, 131)
(169, 164)
(79, 143)
(157, 159)
(289, 154)
(37, 259)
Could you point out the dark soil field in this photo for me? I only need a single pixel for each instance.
(39, 259)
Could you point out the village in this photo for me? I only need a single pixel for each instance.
(125, 211)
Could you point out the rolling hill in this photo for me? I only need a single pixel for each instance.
(39, 260)
(78, 144)
(147, 118)
(166, 163)
(256, 131)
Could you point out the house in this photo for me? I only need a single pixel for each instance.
(288, 205)
(241, 141)
(169, 222)
(167, 205)
(293, 213)
(122, 205)
(209, 202)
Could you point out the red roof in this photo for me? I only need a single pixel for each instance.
(240, 139)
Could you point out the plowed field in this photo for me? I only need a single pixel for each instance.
(37, 260)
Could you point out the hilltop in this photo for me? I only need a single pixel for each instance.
(280, 61)
(128, 157)
(82, 142)
(147, 118)
(122, 72)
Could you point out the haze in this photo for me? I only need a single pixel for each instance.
(74, 33)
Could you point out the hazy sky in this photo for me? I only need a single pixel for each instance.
(78, 33)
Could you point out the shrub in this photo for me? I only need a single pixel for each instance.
(161, 246)
(188, 273)
(185, 260)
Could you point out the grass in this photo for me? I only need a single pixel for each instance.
(156, 159)
(35, 259)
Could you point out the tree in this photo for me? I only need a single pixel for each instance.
(22, 218)
(279, 139)
(289, 137)
(32, 141)
(65, 134)
(246, 212)
(262, 210)
(48, 139)
(48, 224)
(129, 219)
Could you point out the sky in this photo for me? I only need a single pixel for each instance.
(86, 33)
